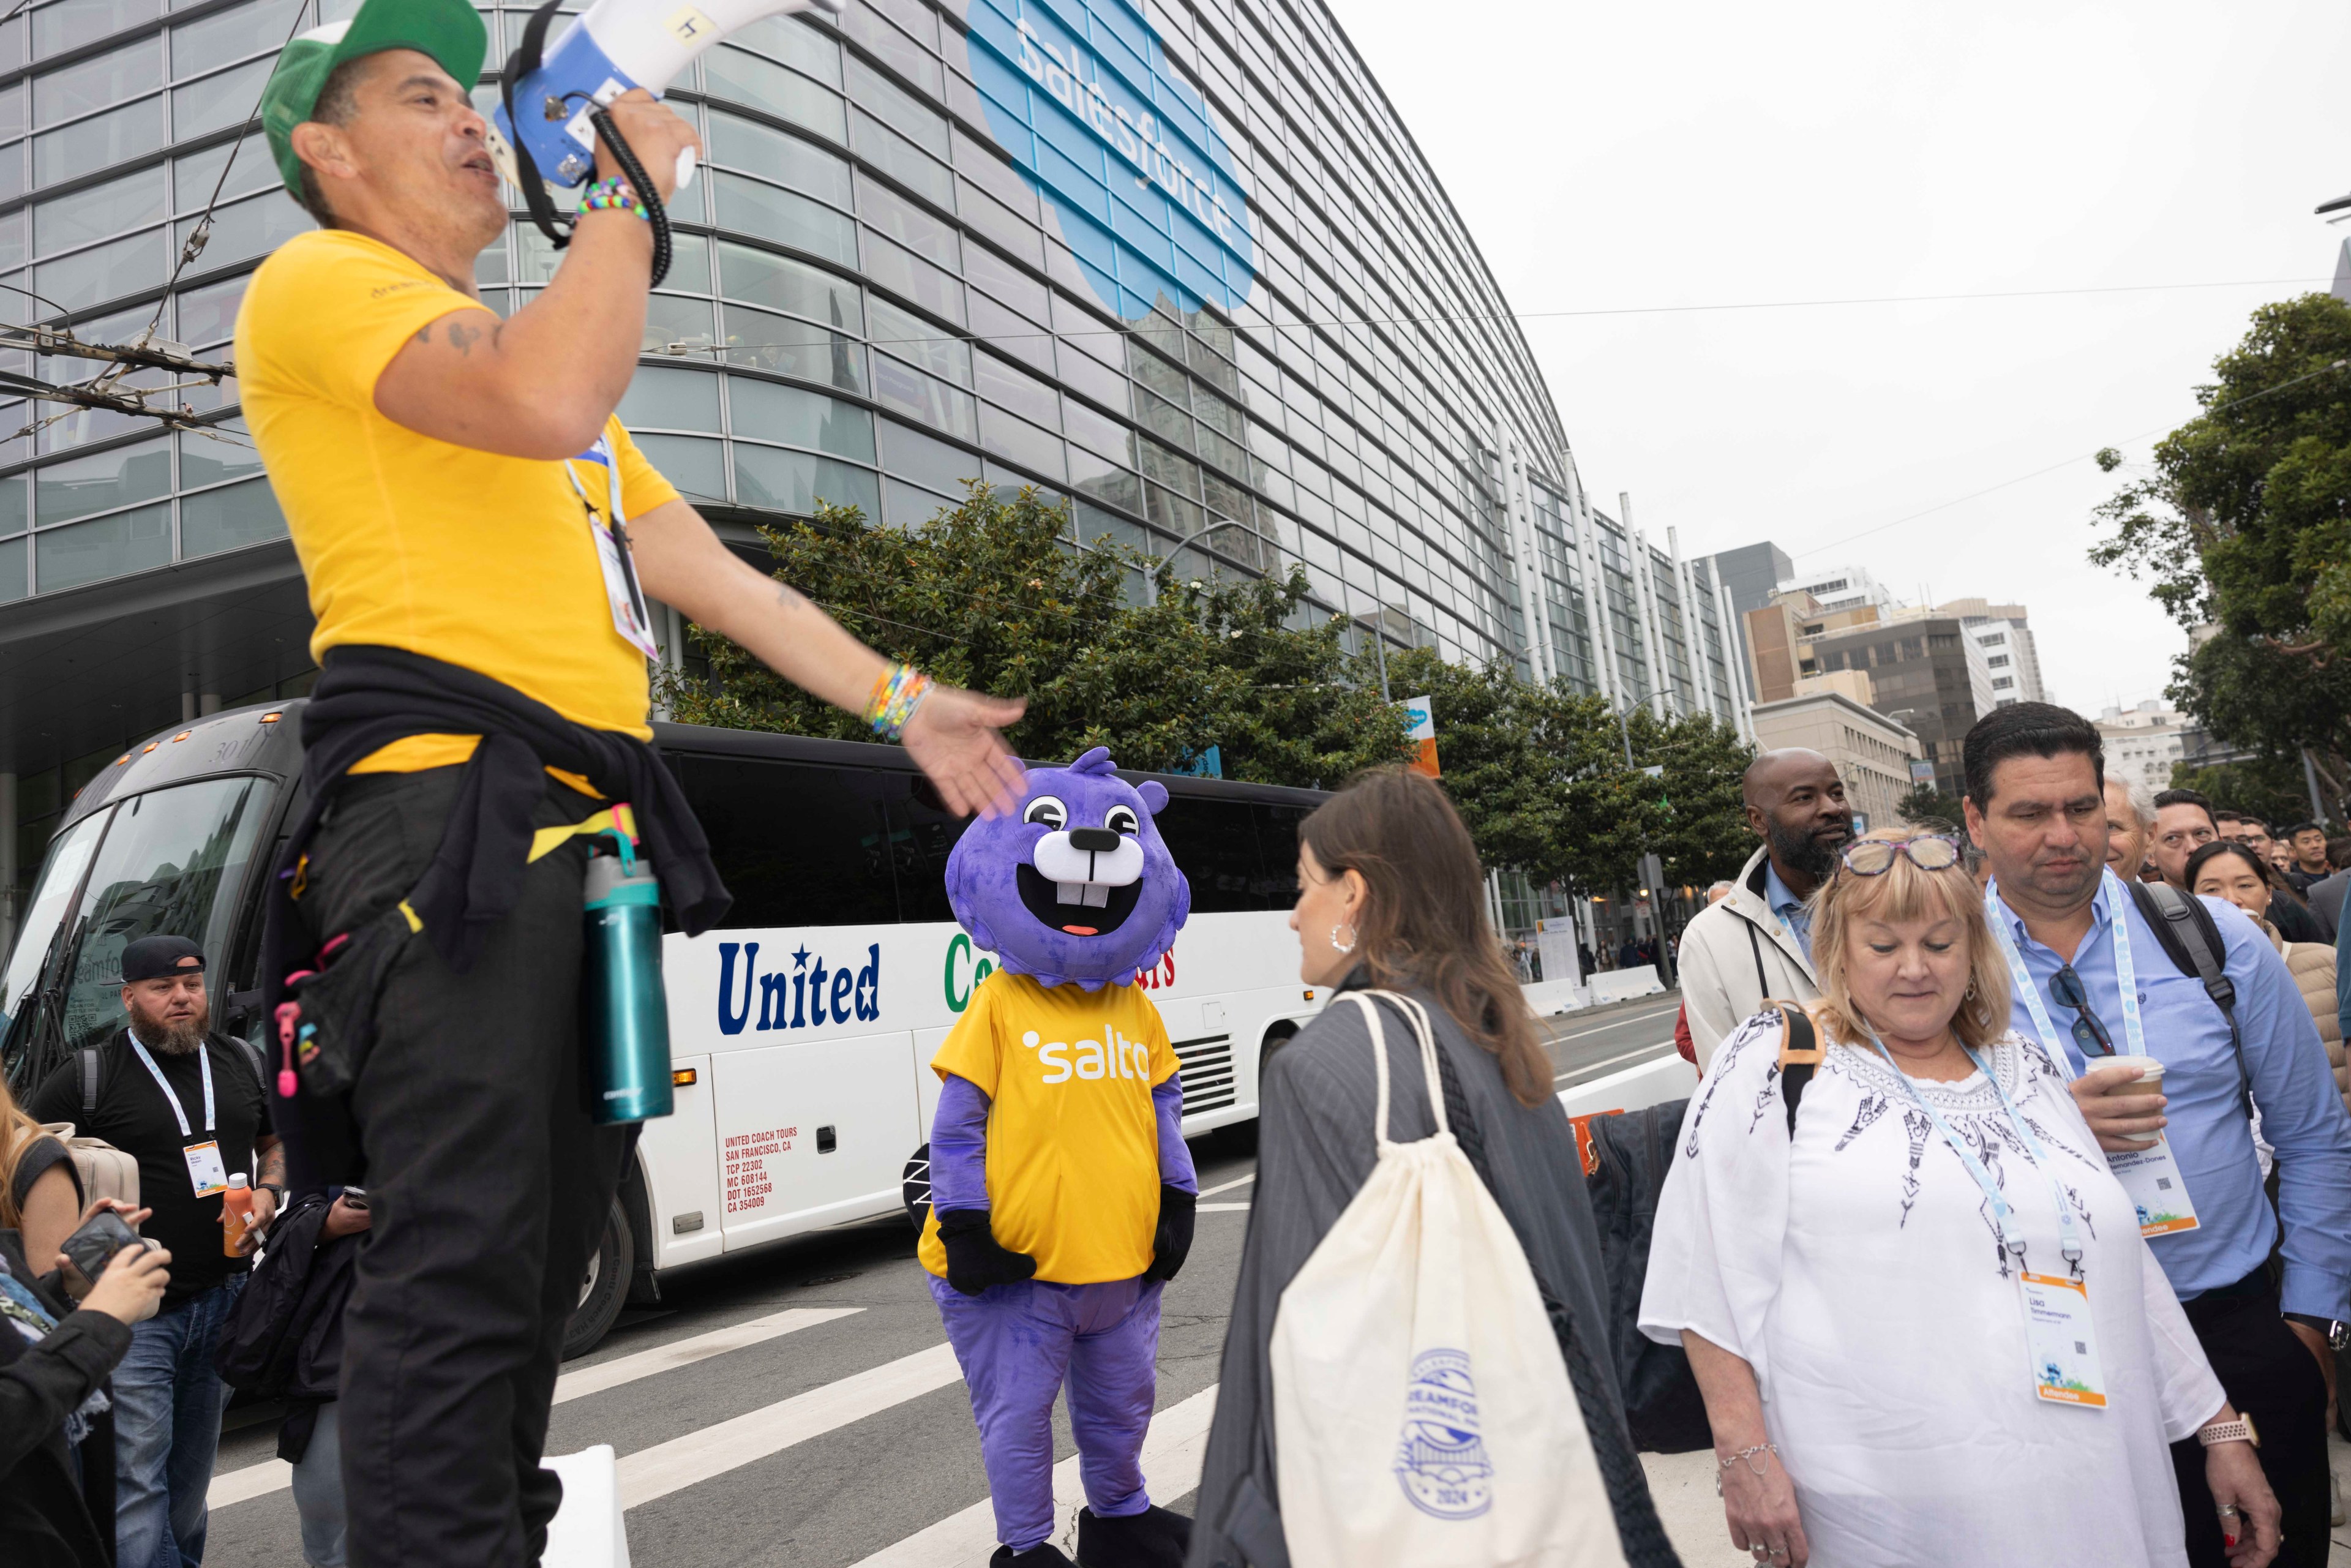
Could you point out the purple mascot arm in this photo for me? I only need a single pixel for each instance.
(959, 1146)
(1175, 1156)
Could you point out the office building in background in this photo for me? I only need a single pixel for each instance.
(1185, 268)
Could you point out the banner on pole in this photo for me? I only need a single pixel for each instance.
(1421, 715)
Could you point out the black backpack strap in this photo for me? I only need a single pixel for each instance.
(1755, 945)
(2184, 928)
(251, 1055)
(1800, 1055)
(88, 1081)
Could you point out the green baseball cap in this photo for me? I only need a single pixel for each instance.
(450, 31)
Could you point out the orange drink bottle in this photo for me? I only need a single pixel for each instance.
(237, 1213)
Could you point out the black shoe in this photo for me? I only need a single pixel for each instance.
(1152, 1538)
(1047, 1555)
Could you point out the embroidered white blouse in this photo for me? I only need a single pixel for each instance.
(1860, 1272)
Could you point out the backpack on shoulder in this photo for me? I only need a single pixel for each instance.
(1632, 1153)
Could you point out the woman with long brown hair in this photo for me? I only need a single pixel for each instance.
(1392, 898)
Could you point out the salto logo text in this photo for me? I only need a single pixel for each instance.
(1075, 83)
(1121, 1058)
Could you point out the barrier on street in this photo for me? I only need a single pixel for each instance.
(1545, 998)
(587, 1531)
(1618, 985)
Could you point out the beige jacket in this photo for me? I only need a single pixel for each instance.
(1734, 954)
(2312, 965)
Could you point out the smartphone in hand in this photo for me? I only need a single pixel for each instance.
(91, 1249)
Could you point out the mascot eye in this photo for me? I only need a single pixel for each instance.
(1047, 810)
(1119, 820)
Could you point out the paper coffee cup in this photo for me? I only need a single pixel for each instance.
(2150, 1082)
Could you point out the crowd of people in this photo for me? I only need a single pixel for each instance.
(2010, 1221)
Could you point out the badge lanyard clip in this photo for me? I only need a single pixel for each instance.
(2012, 1234)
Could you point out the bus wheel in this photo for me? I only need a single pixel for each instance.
(606, 1286)
(915, 1185)
(1277, 1037)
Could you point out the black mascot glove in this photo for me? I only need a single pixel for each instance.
(1173, 1239)
(976, 1260)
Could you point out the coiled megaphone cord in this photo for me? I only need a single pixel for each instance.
(634, 173)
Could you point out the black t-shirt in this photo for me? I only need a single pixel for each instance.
(133, 1116)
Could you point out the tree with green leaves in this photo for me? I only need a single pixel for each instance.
(2272, 789)
(1930, 806)
(992, 595)
(1699, 830)
(2242, 528)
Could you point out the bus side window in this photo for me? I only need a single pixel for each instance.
(922, 832)
(1276, 837)
(1215, 843)
(797, 844)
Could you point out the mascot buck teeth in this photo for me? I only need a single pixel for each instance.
(1062, 1192)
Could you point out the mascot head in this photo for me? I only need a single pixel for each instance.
(1077, 886)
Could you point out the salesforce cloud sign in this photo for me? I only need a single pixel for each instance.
(1148, 195)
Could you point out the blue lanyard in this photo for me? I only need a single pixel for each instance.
(2126, 975)
(204, 1060)
(2003, 1213)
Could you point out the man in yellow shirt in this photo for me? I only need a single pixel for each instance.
(480, 537)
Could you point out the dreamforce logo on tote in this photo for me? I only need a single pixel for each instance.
(1147, 193)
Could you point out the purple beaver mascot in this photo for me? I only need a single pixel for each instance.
(1062, 1194)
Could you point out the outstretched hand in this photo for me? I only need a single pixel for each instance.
(954, 737)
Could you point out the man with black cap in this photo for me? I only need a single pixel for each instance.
(480, 537)
(188, 1105)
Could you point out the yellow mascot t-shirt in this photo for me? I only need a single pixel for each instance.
(1072, 1142)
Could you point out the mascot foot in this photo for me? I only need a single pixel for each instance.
(1152, 1538)
(1046, 1555)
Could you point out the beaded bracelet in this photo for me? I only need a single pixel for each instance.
(898, 690)
(612, 196)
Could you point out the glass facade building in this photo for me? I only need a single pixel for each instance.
(1181, 264)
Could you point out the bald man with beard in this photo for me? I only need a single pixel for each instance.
(1756, 942)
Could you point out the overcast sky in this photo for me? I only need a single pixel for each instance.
(1615, 156)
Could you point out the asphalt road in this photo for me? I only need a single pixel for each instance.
(798, 1406)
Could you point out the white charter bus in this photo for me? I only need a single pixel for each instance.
(800, 1033)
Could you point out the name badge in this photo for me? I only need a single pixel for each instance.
(2156, 1189)
(630, 617)
(2062, 1340)
(205, 1172)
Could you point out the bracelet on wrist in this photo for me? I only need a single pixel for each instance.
(897, 692)
(1758, 1458)
(612, 196)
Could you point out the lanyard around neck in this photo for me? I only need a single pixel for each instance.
(2012, 1234)
(204, 1063)
(2117, 923)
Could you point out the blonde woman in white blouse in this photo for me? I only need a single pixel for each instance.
(1854, 1298)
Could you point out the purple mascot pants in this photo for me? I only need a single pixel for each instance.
(1018, 1346)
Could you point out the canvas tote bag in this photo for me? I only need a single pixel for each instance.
(1423, 1416)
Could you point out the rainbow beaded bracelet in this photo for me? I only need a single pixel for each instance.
(898, 690)
(612, 196)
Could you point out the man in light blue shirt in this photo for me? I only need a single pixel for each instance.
(2034, 774)
(1787, 908)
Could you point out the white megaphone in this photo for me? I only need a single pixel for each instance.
(542, 134)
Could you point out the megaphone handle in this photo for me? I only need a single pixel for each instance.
(686, 165)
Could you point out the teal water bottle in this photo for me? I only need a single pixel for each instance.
(624, 1013)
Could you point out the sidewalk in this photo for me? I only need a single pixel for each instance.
(1683, 1486)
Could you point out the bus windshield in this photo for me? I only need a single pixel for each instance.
(61, 879)
(170, 860)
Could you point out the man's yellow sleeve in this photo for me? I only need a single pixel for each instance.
(330, 310)
(643, 487)
(970, 1049)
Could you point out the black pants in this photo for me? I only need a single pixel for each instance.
(489, 1186)
(2271, 1375)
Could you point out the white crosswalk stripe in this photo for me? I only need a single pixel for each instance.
(1171, 1467)
(274, 1475)
(665, 1467)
